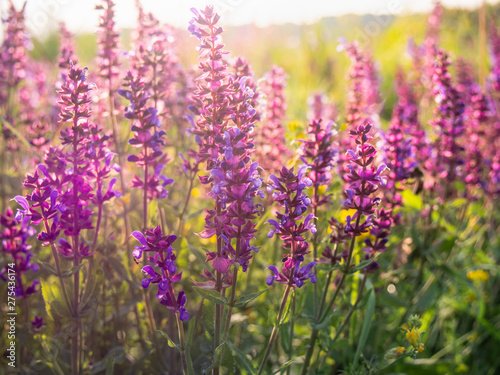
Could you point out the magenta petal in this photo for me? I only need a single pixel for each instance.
(220, 264)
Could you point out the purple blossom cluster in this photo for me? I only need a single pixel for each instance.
(271, 149)
(362, 98)
(154, 59)
(365, 179)
(13, 53)
(14, 234)
(62, 190)
(448, 122)
(67, 49)
(159, 252)
(403, 141)
(291, 226)
(147, 137)
(320, 108)
(494, 46)
(319, 154)
(223, 133)
(492, 155)
(107, 40)
(476, 117)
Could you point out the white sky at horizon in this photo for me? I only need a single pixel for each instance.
(43, 16)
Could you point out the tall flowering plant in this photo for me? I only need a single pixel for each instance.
(476, 118)
(71, 178)
(403, 141)
(14, 235)
(291, 226)
(162, 270)
(364, 180)
(13, 71)
(271, 149)
(319, 152)
(448, 122)
(362, 96)
(321, 108)
(149, 139)
(223, 132)
(492, 155)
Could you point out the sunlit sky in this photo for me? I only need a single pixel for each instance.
(80, 16)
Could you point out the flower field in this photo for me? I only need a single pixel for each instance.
(166, 209)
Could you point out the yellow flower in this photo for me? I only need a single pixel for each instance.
(345, 213)
(478, 275)
(400, 350)
(412, 336)
(195, 192)
(420, 348)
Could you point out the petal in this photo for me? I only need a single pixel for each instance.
(140, 237)
(22, 201)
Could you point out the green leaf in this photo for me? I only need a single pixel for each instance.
(90, 291)
(191, 325)
(272, 318)
(285, 337)
(223, 357)
(362, 265)
(208, 317)
(110, 364)
(70, 272)
(242, 301)
(326, 268)
(283, 366)
(211, 295)
(365, 329)
(65, 274)
(48, 267)
(54, 303)
(326, 322)
(116, 354)
(169, 340)
(243, 362)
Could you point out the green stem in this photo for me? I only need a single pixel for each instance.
(274, 333)
(55, 255)
(315, 247)
(218, 285)
(232, 297)
(349, 314)
(314, 333)
(326, 286)
(292, 324)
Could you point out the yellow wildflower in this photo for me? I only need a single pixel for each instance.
(478, 275)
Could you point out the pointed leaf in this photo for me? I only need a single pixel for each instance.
(211, 295)
(244, 362)
(242, 301)
(169, 340)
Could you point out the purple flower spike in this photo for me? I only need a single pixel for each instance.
(224, 135)
(448, 121)
(14, 236)
(319, 153)
(291, 225)
(271, 148)
(364, 180)
(162, 257)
